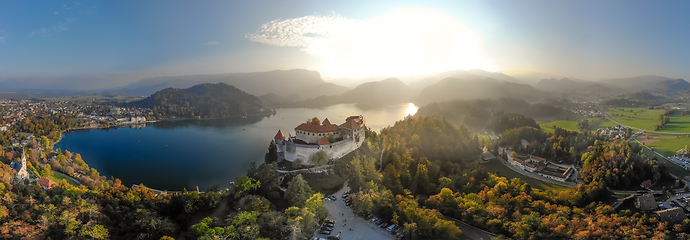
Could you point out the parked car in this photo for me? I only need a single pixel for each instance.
(333, 238)
(327, 228)
(330, 221)
(384, 225)
(328, 224)
(324, 232)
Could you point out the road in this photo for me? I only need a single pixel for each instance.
(345, 219)
(640, 129)
(471, 231)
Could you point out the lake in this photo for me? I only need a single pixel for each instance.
(174, 155)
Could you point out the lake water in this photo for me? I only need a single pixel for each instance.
(186, 154)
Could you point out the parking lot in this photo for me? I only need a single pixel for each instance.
(346, 220)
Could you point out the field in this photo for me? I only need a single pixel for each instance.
(57, 178)
(647, 119)
(643, 118)
(495, 165)
(678, 123)
(668, 147)
(594, 124)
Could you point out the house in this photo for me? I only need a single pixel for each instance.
(672, 215)
(645, 202)
(487, 156)
(646, 184)
(46, 183)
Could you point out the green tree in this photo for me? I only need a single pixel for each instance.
(319, 158)
(272, 154)
(298, 191)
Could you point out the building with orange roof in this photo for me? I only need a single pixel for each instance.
(46, 183)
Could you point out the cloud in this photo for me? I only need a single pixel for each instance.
(60, 27)
(56, 12)
(407, 41)
(209, 44)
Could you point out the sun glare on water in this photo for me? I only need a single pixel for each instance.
(411, 109)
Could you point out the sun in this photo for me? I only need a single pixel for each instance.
(411, 109)
(408, 41)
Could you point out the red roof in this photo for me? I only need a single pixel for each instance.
(538, 159)
(324, 141)
(307, 127)
(280, 136)
(354, 122)
(46, 182)
(326, 122)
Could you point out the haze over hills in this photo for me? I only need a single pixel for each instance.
(671, 87)
(206, 100)
(456, 88)
(573, 86)
(282, 82)
(635, 84)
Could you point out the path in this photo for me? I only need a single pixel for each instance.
(640, 129)
(314, 169)
(65, 175)
(471, 231)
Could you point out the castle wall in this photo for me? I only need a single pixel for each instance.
(336, 150)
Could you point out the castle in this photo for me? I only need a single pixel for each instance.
(336, 141)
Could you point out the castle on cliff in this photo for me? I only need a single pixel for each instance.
(336, 141)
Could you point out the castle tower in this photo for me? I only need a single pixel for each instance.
(279, 138)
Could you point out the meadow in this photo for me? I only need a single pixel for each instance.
(643, 118)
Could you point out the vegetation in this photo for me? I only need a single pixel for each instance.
(204, 101)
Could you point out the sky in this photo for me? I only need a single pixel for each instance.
(103, 44)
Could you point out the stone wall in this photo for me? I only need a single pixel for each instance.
(336, 150)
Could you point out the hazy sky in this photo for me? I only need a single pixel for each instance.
(99, 44)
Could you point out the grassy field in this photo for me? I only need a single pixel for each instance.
(496, 166)
(594, 124)
(568, 125)
(57, 178)
(643, 118)
(678, 123)
(668, 147)
(647, 119)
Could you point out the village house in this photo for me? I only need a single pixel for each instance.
(46, 183)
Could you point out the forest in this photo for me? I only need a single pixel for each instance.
(427, 174)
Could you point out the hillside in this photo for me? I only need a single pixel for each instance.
(455, 88)
(670, 86)
(635, 84)
(306, 83)
(390, 90)
(573, 86)
(206, 100)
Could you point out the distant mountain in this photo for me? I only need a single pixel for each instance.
(390, 90)
(473, 74)
(635, 84)
(456, 88)
(306, 83)
(206, 100)
(670, 86)
(575, 86)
